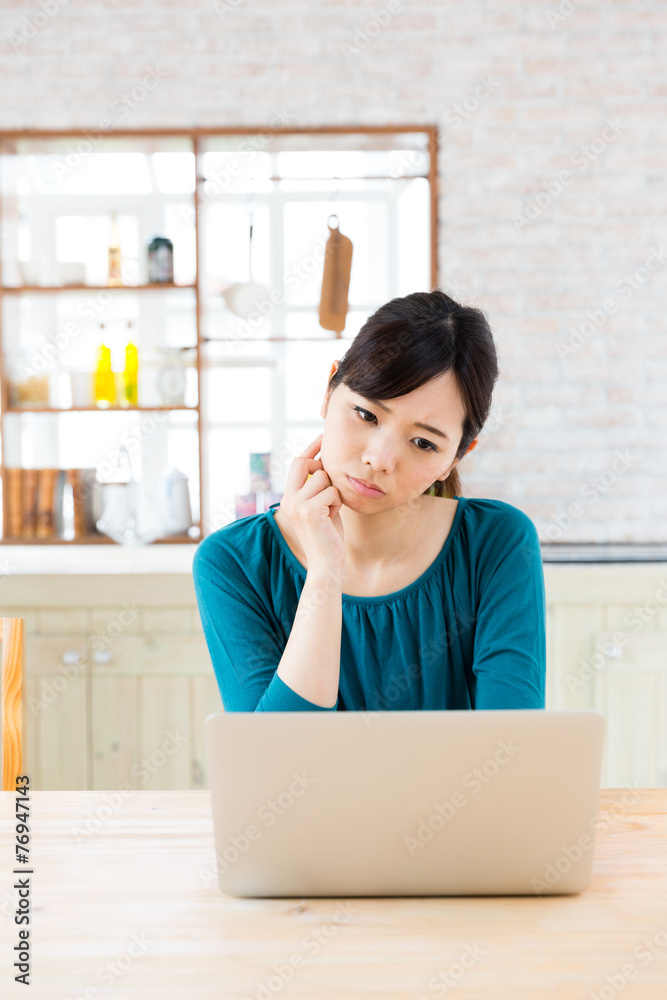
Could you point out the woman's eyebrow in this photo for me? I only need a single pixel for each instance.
(426, 427)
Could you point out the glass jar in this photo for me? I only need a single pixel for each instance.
(171, 382)
(160, 261)
(30, 380)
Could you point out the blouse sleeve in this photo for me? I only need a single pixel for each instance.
(242, 641)
(510, 635)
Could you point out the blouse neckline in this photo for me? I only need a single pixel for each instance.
(382, 598)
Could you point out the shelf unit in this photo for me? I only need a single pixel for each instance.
(147, 141)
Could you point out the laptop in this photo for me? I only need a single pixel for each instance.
(410, 803)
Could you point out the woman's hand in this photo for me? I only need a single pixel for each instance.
(312, 507)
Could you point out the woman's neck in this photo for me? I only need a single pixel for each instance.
(380, 541)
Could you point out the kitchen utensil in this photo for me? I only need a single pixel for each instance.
(335, 279)
(244, 297)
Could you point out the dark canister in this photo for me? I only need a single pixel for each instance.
(160, 261)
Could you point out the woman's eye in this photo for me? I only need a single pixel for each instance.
(360, 409)
(430, 447)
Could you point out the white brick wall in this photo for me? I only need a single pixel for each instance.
(555, 82)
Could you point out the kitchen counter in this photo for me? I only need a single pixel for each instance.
(73, 559)
(621, 552)
(177, 558)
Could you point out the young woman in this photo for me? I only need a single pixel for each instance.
(374, 585)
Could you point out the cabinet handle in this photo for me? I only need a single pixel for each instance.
(613, 650)
(102, 656)
(72, 656)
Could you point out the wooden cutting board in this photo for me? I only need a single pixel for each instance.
(335, 280)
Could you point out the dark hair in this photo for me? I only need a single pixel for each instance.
(413, 339)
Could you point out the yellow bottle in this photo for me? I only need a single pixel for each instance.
(131, 373)
(114, 254)
(105, 388)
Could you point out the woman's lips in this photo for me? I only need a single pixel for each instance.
(365, 491)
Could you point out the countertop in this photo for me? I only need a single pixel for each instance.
(619, 552)
(57, 559)
(176, 558)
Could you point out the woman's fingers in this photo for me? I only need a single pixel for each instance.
(297, 475)
(312, 449)
(303, 467)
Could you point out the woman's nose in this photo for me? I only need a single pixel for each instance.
(381, 455)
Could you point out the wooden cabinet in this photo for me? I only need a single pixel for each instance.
(607, 650)
(119, 680)
(56, 692)
(108, 705)
(148, 703)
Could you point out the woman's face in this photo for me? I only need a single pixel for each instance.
(362, 440)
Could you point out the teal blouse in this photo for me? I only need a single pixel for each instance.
(469, 633)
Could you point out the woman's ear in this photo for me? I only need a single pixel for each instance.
(327, 394)
(442, 479)
(471, 446)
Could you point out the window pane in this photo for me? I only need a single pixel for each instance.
(414, 245)
(238, 394)
(227, 244)
(337, 163)
(174, 172)
(306, 375)
(324, 163)
(306, 324)
(91, 172)
(228, 470)
(179, 227)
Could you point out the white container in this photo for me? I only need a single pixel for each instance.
(39, 270)
(82, 388)
(174, 502)
(70, 272)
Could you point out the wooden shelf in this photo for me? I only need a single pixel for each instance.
(17, 289)
(98, 409)
(96, 540)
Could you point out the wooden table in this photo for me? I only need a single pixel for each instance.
(125, 904)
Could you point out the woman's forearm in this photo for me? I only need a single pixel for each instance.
(310, 664)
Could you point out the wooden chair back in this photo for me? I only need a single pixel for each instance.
(12, 633)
